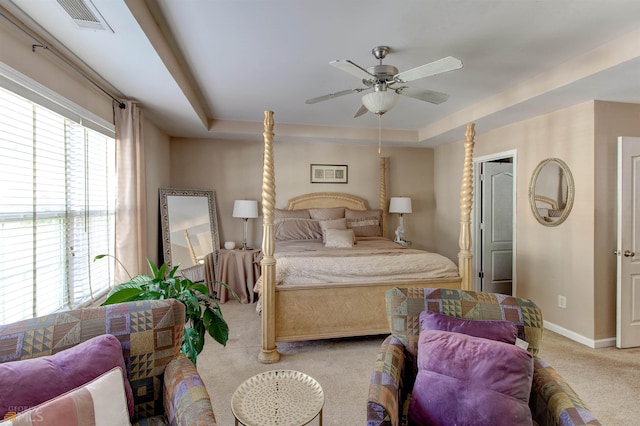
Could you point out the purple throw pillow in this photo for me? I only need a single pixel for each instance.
(499, 330)
(29, 382)
(468, 380)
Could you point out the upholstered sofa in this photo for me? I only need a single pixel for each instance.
(551, 400)
(165, 387)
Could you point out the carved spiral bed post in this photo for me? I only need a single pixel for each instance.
(269, 352)
(383, 193)
(465, 257)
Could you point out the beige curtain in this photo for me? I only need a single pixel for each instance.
(131, 206)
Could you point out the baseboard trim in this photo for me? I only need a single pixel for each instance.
(595, 344)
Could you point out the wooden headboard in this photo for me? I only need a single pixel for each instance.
(319, 200)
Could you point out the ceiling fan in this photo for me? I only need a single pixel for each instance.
(387, 82)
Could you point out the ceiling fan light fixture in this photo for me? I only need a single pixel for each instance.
(381, 101)
(382, 78)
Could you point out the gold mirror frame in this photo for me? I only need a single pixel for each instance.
(557, 212)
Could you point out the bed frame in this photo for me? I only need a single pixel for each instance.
(303, 312)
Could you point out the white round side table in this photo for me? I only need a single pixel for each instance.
(278, 397)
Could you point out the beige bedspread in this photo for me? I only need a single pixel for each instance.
(370, 260)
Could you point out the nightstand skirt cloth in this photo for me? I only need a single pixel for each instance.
(240, 269)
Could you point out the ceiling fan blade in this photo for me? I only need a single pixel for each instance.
(334, 95)
(437, 67)
(362, 111)
(423, 94)
(352, 68)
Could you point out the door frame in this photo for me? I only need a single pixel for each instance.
(476, 246)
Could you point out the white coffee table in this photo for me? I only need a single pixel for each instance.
(278, 397)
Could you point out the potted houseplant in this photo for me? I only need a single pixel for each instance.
(203, 313)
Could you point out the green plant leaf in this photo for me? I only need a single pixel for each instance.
(176, 284)
(216, 325)
(199, 287)
(192, 304)
(162, 272)
(200, 329)
(128, 284)
(188, 347)
(173, 271)
(123, 294)
(153, 295)
(153, 268)
(138, 280)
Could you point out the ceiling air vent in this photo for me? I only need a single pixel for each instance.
(84, 14)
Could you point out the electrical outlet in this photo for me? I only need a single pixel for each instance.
(562, 301)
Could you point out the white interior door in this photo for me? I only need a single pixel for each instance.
(497, 227)
(628, 250)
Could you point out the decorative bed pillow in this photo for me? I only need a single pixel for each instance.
(470, 380)
(327, 213)
(332, 224)
(359, 214)
(339, 238)
(365, 227)
(101, 402)
(29, 382)
(499, 330)
(365, 223)
(297, 229)
(291, 214)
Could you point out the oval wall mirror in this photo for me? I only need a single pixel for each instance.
(551, 192)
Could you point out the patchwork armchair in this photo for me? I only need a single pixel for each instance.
(165, 385)
(551, 401)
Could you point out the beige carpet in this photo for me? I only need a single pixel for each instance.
(607, 379)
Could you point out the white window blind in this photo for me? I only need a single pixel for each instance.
(57, 210)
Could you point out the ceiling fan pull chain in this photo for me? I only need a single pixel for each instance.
(379, 134)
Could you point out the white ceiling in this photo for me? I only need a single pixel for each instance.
(209, 68)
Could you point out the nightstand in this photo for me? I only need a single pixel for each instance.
(240, 269)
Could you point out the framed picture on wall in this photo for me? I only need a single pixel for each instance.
(329, 173)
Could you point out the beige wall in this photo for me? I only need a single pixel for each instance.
(46, 69)
(234, 170)
(157, 175)
(573, 259)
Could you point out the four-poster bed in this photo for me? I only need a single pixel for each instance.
(296, 312)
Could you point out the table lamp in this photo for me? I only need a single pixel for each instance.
(400, 205)
(245, 209)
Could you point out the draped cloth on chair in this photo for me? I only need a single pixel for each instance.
(131, 206)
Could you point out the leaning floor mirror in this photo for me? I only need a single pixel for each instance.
(189, 224)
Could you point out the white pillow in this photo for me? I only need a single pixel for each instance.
(100, 402)
(332, 224)
(339, 238)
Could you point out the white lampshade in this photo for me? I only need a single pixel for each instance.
(246, 209)
(400, 205)
(381, 101)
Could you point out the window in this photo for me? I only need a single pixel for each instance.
(57, 209)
